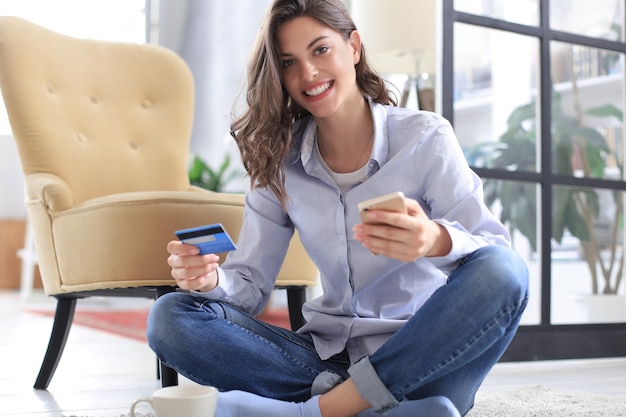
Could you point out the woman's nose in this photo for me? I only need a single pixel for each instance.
(308, 71)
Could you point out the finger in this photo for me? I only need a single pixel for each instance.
(414, 209)
(401, 244)
(178, 247)
(194, 264)
(182, 273)
(394, 250)
(383, 246)
(185, 261)
(193, 283)
(391, 218)
(384, 231)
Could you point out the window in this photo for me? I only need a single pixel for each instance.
(535, 90)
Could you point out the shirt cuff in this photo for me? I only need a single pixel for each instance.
(459, 249)
(217, 293)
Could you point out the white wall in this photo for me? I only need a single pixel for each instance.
(11, 183)
(401, 27)
(215, 38)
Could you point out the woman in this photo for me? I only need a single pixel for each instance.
(411, 331)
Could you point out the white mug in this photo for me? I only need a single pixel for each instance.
(179, 401)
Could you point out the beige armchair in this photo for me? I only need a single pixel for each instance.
(103, 131)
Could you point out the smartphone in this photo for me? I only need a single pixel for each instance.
(390, 202)
(211, 238)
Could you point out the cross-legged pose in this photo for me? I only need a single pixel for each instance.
(416, 308)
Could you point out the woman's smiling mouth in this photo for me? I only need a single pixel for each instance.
(319, 90)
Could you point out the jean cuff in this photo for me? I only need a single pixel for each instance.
(370, 386)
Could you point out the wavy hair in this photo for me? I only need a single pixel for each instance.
(264, 130)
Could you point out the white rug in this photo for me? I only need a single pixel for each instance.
(537, 401)
(532, 401)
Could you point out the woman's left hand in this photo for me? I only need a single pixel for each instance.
(405, 237)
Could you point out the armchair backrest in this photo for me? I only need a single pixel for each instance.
(97, 110)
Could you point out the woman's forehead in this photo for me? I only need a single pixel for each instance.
(302, 33)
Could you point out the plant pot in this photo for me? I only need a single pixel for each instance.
(601, 308)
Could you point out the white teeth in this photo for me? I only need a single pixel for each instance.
(318, 90)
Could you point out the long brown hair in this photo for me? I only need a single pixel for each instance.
(264, 131)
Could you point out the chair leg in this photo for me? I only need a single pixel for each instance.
(296, 296)
(60, 330)
(168, 376)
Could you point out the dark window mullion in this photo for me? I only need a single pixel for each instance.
(490, 22)
(566, 180)
(587, 41)
(447, 67)
(546, 162)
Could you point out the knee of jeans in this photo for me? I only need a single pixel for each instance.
(505, 271)
(161, 318)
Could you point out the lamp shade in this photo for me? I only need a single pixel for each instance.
(400, 36)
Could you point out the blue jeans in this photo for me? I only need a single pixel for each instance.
(447, 348)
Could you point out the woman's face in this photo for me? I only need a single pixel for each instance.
(318, 66)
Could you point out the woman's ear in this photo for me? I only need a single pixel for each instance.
(355, 43)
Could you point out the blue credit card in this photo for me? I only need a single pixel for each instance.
(211, 238)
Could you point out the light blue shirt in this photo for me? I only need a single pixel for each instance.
(365, 298)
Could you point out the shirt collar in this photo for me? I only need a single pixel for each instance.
(309, 136)
(380, 149)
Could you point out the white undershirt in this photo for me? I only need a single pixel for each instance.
(347, 180)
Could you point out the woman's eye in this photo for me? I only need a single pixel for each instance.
(321, 50)
(287, 63)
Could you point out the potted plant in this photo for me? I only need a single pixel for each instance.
(578, 150)
(202, 175)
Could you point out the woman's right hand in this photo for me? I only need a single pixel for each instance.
(191, 270)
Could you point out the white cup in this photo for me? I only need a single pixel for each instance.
(181, 401)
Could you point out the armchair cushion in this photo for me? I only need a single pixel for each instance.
(120, 240)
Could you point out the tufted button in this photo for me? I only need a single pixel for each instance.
(146, 104)
(81, 137)
(50, 88)
(94, 99)
(133, 145)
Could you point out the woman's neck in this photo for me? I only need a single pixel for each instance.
(345, 140)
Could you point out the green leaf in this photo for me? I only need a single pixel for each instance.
(561, 199)
(607, 110)
(562, 156)
(575, 223)
(522, 114)
(526, 219)
(197, 168)
(202, 175)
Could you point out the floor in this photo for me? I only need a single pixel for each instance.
(100, 374)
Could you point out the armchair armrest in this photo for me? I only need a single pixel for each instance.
(52, 191)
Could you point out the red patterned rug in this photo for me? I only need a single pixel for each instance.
(132, 323)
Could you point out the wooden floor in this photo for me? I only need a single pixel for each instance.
(101, 374)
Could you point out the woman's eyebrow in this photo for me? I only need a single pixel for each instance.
(309, 46)
(319, 38)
